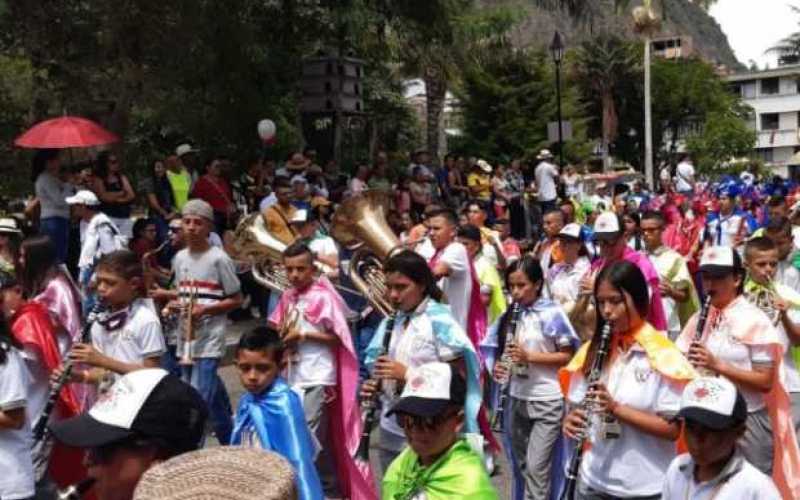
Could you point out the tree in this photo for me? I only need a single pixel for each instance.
(724, 136)
(507, 102)
(602, 65)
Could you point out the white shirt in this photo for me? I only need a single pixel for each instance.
(535, 382)
(723, 230)
(98, 239)
(16, 480)
(457, 286)
(790, 373)
(564, 282)
(787, 274)
(137, 339)
(546, 174)
(314, 363)
(684, 177)
(38, 384)
(738, 480)
(413, 345)
(665, 261)
(634, 463)
(324, 246)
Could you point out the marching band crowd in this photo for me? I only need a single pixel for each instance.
(611, 341)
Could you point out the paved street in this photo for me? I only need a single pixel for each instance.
(231, 380)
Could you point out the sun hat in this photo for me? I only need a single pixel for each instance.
(185, 149)
(148, 403)
(8, 225)
(297, 162)
(83, 197)
(199, 208)
(713, 402)
(430, 389)
(544, 154)
(484, 165)
(221, 472)
(607, 226)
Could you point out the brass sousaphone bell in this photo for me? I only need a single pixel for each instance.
(359, 224)
(253, 242)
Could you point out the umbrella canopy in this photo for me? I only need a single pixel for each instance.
(65, 132)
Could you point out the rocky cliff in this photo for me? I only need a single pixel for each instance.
(681, 18)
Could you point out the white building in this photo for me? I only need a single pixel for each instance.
(774, 95)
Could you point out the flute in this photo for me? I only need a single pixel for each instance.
(370, 405)
(39, 429)
(603, 347)
(505, 358)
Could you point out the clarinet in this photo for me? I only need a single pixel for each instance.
(76, 491)
(701, 320)
(41, 424)
(568, 493)
(370, 406)
(505, 358)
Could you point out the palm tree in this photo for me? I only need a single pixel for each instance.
(604, 63)
(788, 49)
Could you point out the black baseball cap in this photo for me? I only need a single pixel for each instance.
(148, 403)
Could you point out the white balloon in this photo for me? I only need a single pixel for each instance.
(266, 129)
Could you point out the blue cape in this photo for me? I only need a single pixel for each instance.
(276, 416)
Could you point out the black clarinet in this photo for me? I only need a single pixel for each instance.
(39, 429)
(603, 346)
(701, 320)
(370, 406)
(503, 357)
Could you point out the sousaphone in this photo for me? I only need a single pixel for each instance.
(359, 224)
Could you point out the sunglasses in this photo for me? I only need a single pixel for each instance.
(408, 422)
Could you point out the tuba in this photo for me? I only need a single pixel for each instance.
(359, 224)
(253, 242)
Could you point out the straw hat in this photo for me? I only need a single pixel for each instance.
(219, 473)
(297, 162)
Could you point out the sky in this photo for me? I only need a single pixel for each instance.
(753, 26)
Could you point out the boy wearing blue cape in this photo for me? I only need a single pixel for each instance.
(270, 415)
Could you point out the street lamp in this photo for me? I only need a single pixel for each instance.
(557, 51)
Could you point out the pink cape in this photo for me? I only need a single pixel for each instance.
(655, 315)
(326, 307)
(754, 329)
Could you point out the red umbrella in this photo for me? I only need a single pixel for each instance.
(65, 132)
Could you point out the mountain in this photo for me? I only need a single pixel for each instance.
(681, 18)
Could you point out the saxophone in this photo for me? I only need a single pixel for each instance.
(505, 358)
(589, 406)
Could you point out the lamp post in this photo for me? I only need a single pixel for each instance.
(557, 51)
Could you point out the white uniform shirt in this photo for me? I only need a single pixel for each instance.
(723, 230)
(457, 286)
(137, 339)
(664, 261)
(314, 363)
(787, 274)
(15, 444)
(413, 345)
(790, 372)
(97, 239)
(634, 463)
(739, 480)
(535, 382)
(564, 282)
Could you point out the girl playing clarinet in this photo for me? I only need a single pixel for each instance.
(541, 342)
(628, 422)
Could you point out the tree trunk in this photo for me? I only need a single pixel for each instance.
(435, 92)
(610, 126)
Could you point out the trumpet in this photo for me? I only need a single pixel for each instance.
(509, 333)
(186, 324)
(588, 405)
(290, 322)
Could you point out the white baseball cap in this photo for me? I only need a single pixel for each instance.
(299, 179)
(83, 197)
(430, 389)
(571, 230)
(185, 149)
(720, 260)
(713, 402)
(148, 403)
(9, 225)
(606, 226)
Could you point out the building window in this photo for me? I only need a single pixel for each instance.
(769, 121)
(765, 154)
(748, 89)
(770, 86)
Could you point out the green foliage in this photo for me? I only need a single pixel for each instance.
(507, 102)
(724, 137)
